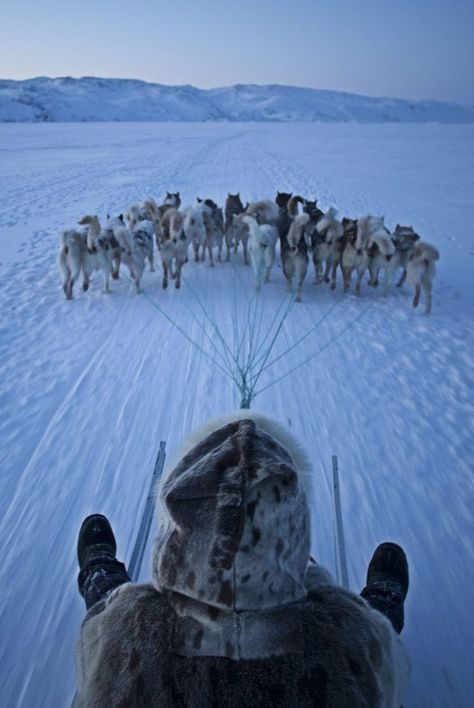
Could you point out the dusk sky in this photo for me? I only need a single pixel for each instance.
(405, 48)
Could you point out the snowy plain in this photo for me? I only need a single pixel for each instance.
(90, 387)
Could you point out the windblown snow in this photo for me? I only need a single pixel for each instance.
(90, 387)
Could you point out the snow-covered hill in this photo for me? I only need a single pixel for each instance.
(96, 99)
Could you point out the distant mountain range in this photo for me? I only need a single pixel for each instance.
(95, 99)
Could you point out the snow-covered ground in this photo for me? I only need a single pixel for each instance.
(90, 387)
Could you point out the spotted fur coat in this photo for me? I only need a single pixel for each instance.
(236, 614)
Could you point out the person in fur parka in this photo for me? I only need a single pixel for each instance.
(237, 613)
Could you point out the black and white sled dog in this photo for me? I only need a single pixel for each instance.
(136, 245)
(215, 227)
(294, 254)
(100, 252)
(142, 233)
(263, 240)
(421, 271)
(360, 236)
(404, 238)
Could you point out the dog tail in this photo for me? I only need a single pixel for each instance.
(293, 205)
(132, 214)
(383, 242)
(122, 235)
(152, 206)
(297, 229)
(327, 220)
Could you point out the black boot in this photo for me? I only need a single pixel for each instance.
(96, 540)
(100, 571)
(387, 583)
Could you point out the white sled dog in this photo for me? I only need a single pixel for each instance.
(71, 256)
(198, 228)
(174, 248)
(352, 258)
(100, 252)
(262, 249)
(133, 253)
(421, 271)
(294, 254)
(326, 234)
(380, 249)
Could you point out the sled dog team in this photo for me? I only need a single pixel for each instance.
(303, 230)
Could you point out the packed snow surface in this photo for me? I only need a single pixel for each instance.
(95, 99)
(90, 387)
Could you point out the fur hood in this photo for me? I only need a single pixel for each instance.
(231, 512)
(234, 533)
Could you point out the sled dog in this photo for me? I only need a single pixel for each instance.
(100, 252)
(198, 229)
(326, 234)
(294, 254)
(353, 257)
(262, 249)
(421, 271)
(404, 239)
(233, 205)
(174, 249)
(72, 248)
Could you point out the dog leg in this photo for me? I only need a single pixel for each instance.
(427, 289)
(211, 256)
(346, 275)
(402, 278)
(327, 270)
(334, 275)
(246, 258)
(67, 287)
(416, 299)
(388, 281)
(360, 275)
(319, 276)
(116, 268)
(165, 274)
(177, 282)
